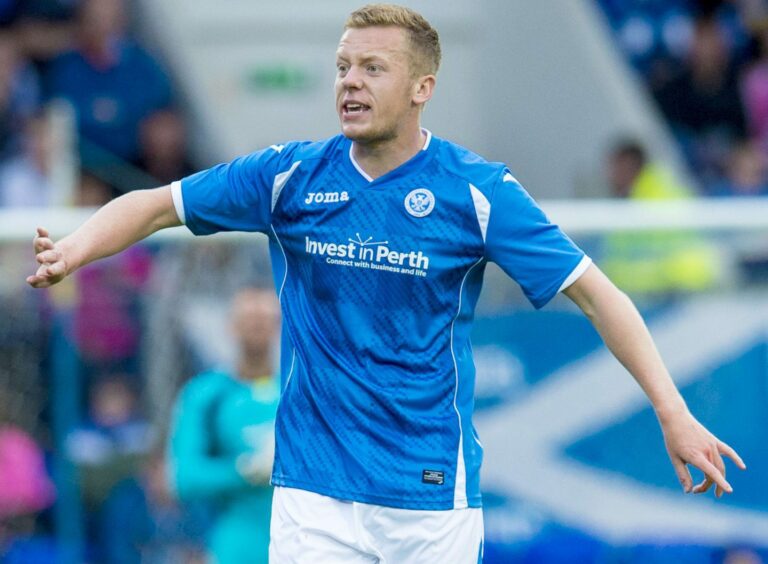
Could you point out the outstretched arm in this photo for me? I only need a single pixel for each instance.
(626, 335)
(114, 227)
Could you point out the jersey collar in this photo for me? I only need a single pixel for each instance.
(407, 167)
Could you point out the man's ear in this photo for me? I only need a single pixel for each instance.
(423, 89)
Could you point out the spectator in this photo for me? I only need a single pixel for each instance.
(140, 522)
(658, 263)
(91, 191)
(703, 103)
(746, 173)
(631, 175)
(24, 179)
(754, 88)
(222, 438)
(163, 147)
(111, 81)
(46, 29)
(25, 489)
(19, 93)
(114, 437)
(24, 484)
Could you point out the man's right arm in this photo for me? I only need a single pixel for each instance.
(114, 227)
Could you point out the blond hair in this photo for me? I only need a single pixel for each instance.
(425, 43)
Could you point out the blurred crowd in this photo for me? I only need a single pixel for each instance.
(81, 59)
(705, 63)
(129, 132)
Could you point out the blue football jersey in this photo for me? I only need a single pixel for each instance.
(378, 281)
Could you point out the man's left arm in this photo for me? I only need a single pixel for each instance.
(624, 332)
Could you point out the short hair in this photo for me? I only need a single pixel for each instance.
(424, 40)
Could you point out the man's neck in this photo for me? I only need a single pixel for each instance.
(377, 159)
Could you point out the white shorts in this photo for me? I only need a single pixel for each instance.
(309, 528)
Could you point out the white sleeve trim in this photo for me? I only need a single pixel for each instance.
(482, 209)
(178, 201)
(576, 273)
(280, 181)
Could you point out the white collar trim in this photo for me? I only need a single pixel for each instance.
(367, 176)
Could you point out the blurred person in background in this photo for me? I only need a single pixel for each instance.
(163, 147)
(19, 94)
(746, 173)
(703, 102)
(754, 89)
(376, 455)
(112, 83)
(46, 29)
(653, 262)
(111, 441)
(632, 174)
(141, 522)
(91, 191)
(222, 436)
(25, 178)
(26, 488)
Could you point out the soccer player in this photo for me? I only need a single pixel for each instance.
(222, 435)
(379, 238)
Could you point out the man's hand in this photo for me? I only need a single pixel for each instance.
(53, 264)
(624, 332)
(689, 442)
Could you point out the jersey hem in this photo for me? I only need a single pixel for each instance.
(398, 503)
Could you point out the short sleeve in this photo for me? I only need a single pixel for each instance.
(234, 196)
(527, 246)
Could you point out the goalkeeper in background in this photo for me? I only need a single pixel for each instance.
(222, 435)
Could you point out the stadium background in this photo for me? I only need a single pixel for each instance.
(575, 469)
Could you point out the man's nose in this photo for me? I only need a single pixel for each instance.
(353, 78)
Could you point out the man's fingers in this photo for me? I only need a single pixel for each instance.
(47, 275)
(37, 281)
(712, 473)
(683, 475)
(55, 270)
(42, 241)
(703, 486)
(48, 257)
(732, 454)
(43, 244)
(717, 461)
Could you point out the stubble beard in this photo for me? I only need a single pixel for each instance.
(374, 137)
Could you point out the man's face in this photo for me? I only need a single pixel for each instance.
(374, 86)
(255, 320)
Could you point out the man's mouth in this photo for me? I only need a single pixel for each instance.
(354, 108)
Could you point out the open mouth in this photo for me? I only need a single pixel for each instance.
(354, 108)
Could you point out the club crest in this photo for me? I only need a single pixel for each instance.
(419, 202)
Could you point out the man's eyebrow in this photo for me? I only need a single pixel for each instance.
(365, 58)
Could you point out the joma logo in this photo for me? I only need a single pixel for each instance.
(326, 197)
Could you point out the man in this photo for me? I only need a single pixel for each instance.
(379, 238)
(222, 435)
(112, 83)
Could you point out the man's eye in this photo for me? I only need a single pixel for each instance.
(373, 68)
(341, 68)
